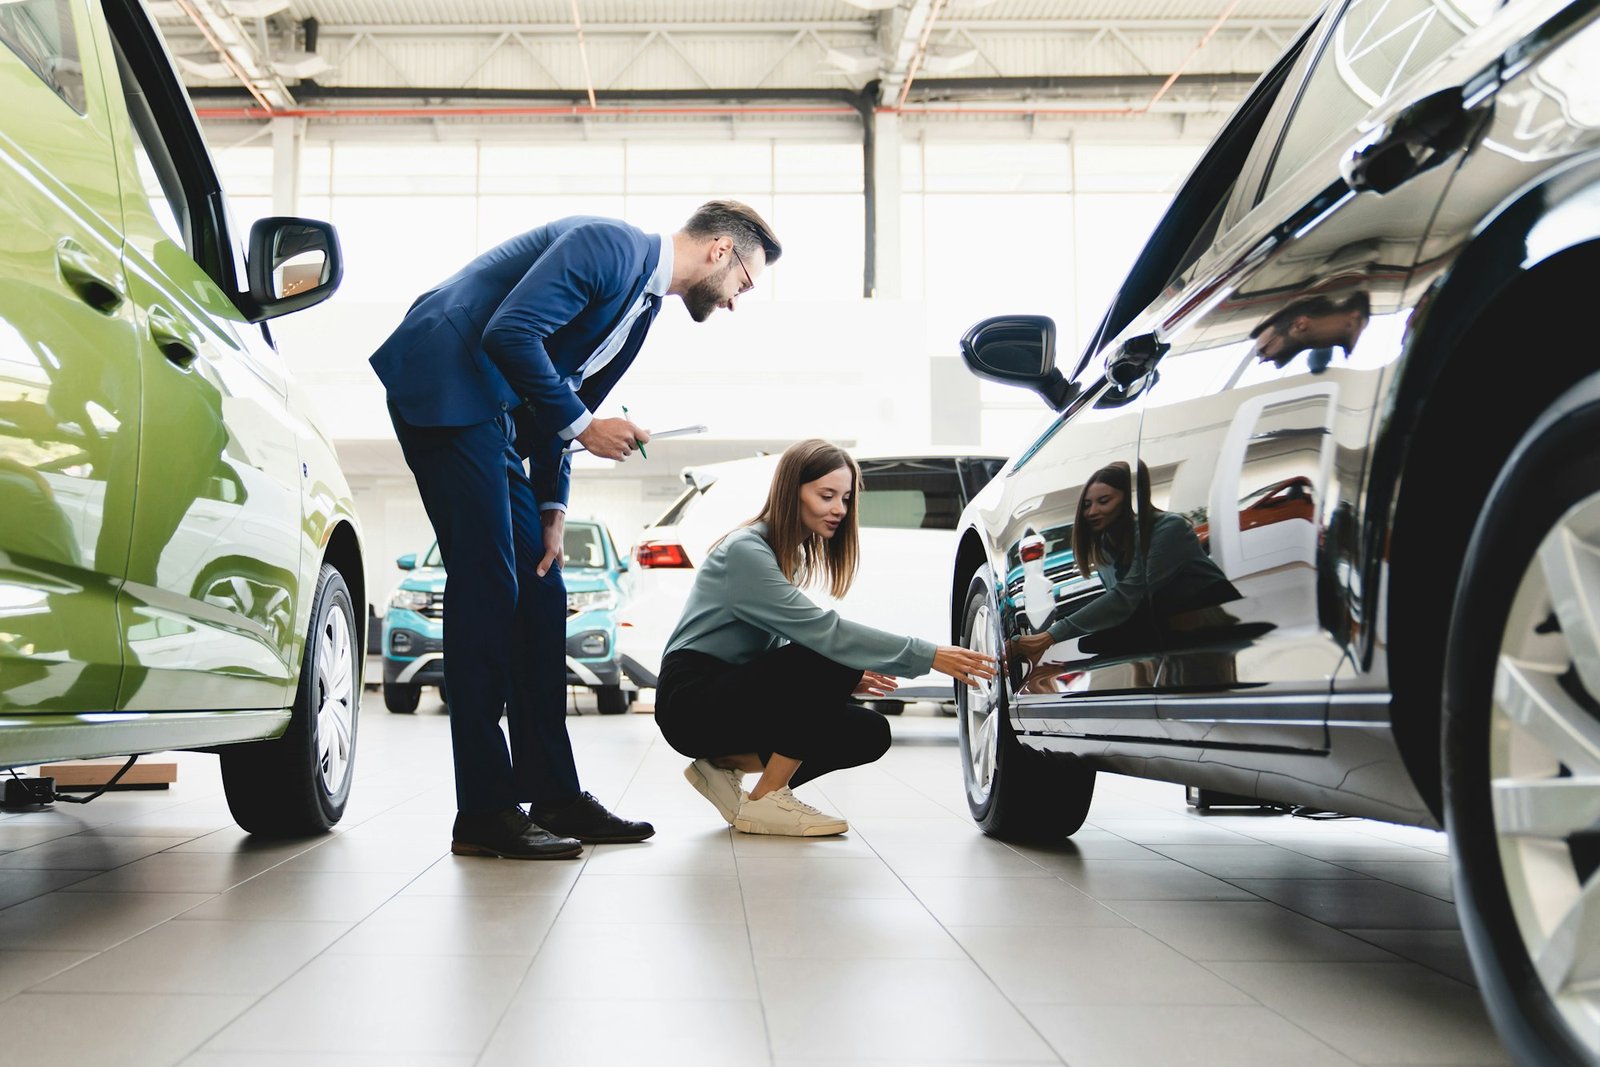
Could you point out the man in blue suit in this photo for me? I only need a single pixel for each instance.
(506, 361)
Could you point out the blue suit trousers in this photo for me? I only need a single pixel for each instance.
(504, 626)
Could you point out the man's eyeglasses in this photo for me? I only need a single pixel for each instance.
(749, 283)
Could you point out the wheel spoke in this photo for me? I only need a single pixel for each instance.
(1534, 700)
(1552, 807)
(1572, 955)
(1571, 566)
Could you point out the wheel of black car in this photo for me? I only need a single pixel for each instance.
(1521, 763)
(1014, 792)
(887, 707)
(401, 698)
(610, 700)
(299, 783)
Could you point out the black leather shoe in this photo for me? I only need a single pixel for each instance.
(509, 834)
(586, 818)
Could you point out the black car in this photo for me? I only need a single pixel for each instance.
(1318, 518)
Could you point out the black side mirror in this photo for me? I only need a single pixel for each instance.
(1136, 357)
(293, 264)
(1018, 350)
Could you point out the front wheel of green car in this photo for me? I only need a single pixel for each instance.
(1521, 741)
(610, 699)
(299, 783)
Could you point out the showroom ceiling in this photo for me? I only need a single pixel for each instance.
(583, 57)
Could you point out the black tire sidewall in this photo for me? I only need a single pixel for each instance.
(1554, 467)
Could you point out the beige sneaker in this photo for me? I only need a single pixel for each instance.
(781, 812)
(722, 787)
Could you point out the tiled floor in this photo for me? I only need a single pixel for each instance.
(145, 928)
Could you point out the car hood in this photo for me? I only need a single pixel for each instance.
(585, 581)
(426, 579)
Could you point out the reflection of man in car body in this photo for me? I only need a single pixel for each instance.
(1156, 574)
(1315, 322)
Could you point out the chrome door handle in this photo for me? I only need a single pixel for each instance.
(83, 277)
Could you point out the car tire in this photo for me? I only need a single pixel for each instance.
(299, 783)
(444, 699)
(610, 699)
(887, 707)
(1015, 793)
(1521, 739)
(400, 698)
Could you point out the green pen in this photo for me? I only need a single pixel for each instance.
(642, 452)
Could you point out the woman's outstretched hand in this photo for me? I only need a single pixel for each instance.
(874, 684)
(963, 664)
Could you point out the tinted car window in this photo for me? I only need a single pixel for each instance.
(910, 495)
(41, 33)
(581, 546)
(1375, 47)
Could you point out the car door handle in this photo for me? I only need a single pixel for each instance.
(83, 277)
(1136, 358)
(170, 336)
(1415, 139)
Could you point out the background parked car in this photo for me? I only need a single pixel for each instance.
(908, 510)
(180, 566)
(597, 582)
(1401, 624)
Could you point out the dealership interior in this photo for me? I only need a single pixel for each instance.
(926, 164)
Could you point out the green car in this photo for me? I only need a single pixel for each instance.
(179, 553)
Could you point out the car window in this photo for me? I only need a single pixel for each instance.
(581, 546)
(1374, 48)
(42, 35)
(158, 174)
(433, 559)
(680, 507)
(910, 494)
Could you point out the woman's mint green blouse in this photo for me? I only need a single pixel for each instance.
(742, 605)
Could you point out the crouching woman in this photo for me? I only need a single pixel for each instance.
(757, 679)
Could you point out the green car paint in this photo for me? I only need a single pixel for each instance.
(166, 498)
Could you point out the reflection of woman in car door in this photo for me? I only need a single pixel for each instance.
(1170, 586)
(757, 679)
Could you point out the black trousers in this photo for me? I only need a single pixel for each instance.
(505, 628)
(790, 701)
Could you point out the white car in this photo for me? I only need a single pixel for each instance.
(909, 507)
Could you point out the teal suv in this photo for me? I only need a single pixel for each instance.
(597, 584)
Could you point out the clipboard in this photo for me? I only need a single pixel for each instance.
(659, 435)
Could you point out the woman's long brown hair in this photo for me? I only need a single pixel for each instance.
(805, 557)
(1118, 543)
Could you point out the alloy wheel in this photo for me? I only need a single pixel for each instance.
(980, 706)
(1544, 766)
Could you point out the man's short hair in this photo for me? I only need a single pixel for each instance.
(1313, 307)
(749, 231)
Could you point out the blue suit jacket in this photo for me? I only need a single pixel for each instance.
(510, 331)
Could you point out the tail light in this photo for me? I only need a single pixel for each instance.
(661, 554)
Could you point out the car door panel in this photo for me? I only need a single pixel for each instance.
(1293, 357)
(69, 387)
(208, 611)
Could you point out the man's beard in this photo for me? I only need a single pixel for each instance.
(704, 295)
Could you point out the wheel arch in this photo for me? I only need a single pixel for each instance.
(343, 551)
(970, 555)
(1479, 366)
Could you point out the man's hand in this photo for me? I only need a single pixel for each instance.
(612, 438)
(554, 522)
